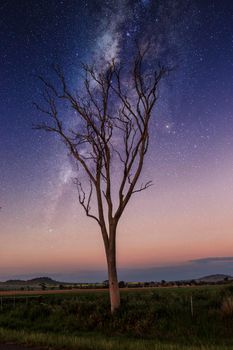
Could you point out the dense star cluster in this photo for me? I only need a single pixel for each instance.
(191, 149)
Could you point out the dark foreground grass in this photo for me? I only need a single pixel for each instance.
(160, 318)
(95, 342)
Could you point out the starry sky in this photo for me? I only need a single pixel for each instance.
(182, 226)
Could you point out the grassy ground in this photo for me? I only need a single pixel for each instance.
(95, 342)
(161, 318)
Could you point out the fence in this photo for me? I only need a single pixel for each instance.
(7, 302)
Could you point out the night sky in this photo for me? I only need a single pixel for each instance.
(187, 215)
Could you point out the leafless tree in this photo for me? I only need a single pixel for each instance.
(113, 110)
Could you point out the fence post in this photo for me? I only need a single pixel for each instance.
(191, 305)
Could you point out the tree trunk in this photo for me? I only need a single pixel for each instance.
(112, 273)
(113, 285)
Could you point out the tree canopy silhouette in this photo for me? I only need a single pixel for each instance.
(109, 139)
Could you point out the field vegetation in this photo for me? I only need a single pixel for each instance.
(157, 318)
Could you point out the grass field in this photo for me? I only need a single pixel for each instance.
(160, 318)
(96, 342)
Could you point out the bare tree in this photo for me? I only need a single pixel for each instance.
(113, 111)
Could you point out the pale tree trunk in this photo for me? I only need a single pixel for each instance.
(112, 272)
(113, 283)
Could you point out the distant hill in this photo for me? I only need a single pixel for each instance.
(46, 280)
(14, 282)
(38, 280)
(214, 278)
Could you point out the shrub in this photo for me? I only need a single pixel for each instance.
(227, 306)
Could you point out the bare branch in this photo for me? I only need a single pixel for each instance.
(113, 110)
(143, 187)
(85, 203)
